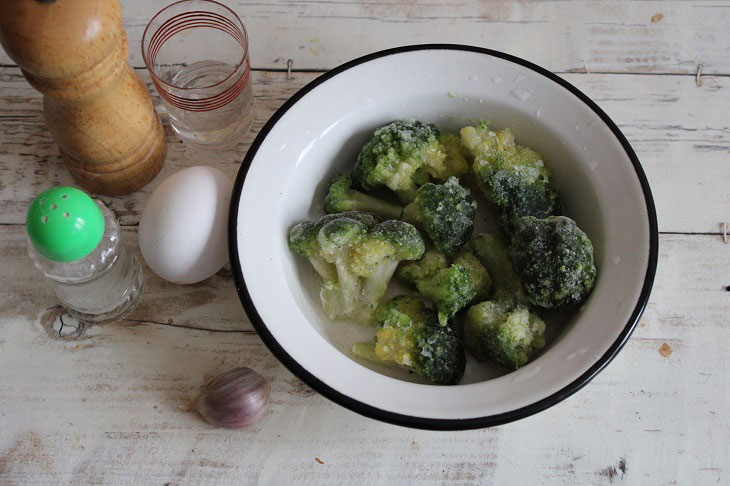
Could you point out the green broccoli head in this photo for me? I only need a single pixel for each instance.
(403, 237)
(507, 333)
(445, 212)
(338, 236)
(356, 255)
(425, 267)
(440, 354)
(456, 162)
(394, 153)
(450, 289)
(409, 335)
(512, 177)
(554, 260)
(342, 197)
(303, 238)
(493, 254)
(478, 273)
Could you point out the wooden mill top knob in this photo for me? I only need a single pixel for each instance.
(59, 38)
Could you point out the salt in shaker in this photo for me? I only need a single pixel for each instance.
(76, 242)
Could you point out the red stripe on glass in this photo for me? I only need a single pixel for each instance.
(193, 20)
(209, 103)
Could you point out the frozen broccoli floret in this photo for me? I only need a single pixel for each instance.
(356, 255)
(446, 212)
(478, 273)
(512, 177)
(342, 197)
(303, 240)
(505, 332)
(394, 153)
(455, 164)
(409, 335)
(481, 142)
(554, 260)
(457, 160)
(425, 267)
(449, 287)
(493, 254)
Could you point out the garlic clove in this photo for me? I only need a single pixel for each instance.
(234, 399)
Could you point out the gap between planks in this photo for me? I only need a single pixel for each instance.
(568, 71)
(193, 328)
(681, 233)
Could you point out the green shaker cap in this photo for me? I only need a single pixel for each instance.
(64, 224)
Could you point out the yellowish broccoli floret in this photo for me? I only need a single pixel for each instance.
(512, 177)
(484, 143)
(395, 346)
(409, 335)
(456, 162)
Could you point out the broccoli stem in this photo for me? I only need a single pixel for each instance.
(409, 216)
(493, 254)
(347, 286)
(365, 350)
(358, 201)
(350, 295)
(324, 268)
(406, 195)
(377, 282)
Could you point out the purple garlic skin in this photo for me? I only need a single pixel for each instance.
(234, 399)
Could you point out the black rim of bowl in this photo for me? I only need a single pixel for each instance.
(408, 420)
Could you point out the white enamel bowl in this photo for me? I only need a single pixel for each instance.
(320, 131)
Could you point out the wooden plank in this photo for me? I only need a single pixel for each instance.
(25, 293)
(679, 131)
(105, 408)
(626, 36)
(30, 161)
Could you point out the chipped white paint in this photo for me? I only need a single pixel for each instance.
(562, 35)
(103, 406)
(680, 134)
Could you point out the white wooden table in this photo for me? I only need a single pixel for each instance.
(103, 406)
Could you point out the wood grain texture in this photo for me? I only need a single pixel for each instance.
(96, 108)
(680, 132)
(565, 35)
(105, 408)
(103, 405)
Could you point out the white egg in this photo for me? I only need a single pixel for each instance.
(183, 229)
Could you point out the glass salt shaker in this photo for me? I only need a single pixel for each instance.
(75, 241)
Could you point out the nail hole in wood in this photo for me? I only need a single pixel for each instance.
(698, 76)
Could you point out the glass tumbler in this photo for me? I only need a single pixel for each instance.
(197, 54)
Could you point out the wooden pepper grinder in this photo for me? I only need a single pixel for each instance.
(97, 109)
